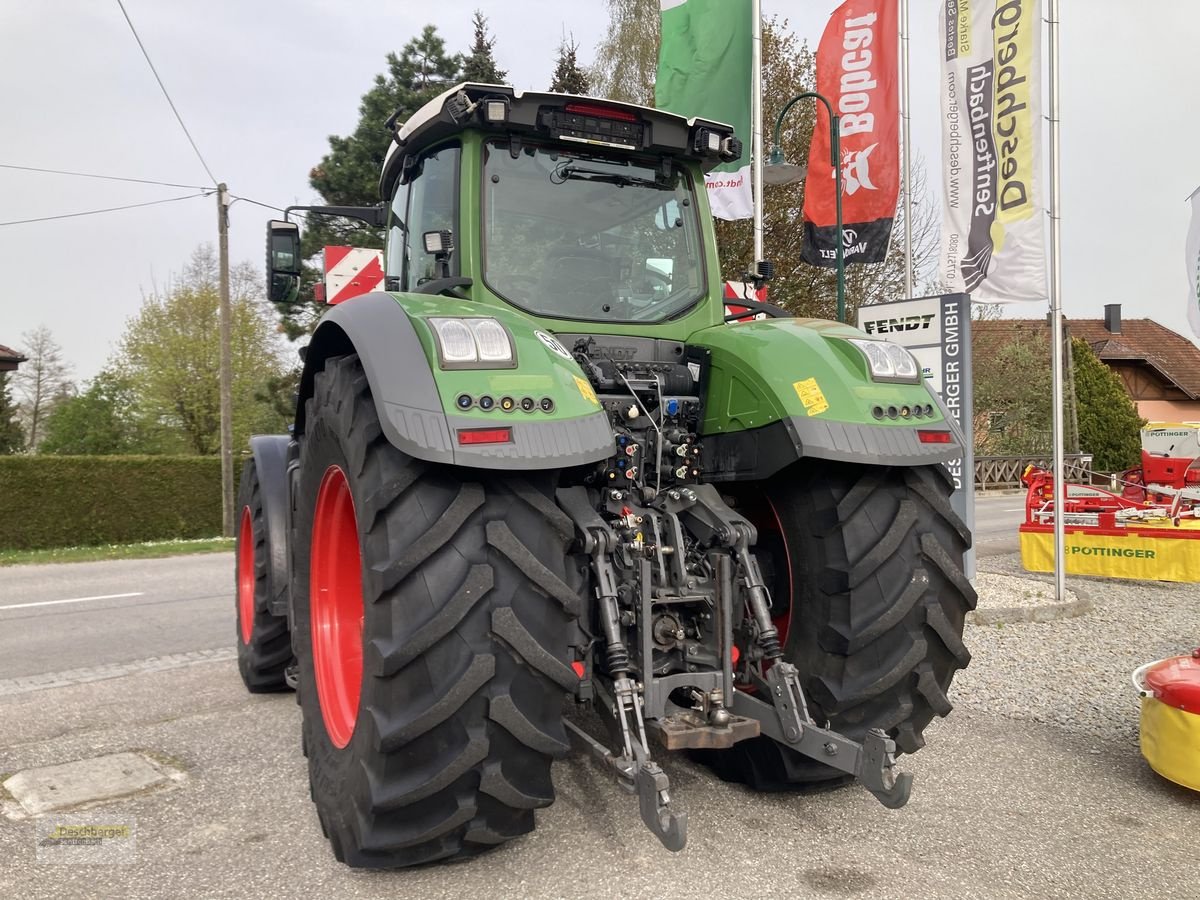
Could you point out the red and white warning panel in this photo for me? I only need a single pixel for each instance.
(738, 290)
(350, 271)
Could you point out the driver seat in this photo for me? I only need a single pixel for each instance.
(585, 280)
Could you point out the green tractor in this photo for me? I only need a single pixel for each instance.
(543, 465)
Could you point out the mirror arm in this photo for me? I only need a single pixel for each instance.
(375, 216)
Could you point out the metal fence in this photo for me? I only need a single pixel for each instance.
(1005, 471)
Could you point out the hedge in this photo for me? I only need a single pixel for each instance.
(67, 501)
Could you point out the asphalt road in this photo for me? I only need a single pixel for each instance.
(1003, 807)
(79, 615)
(997, 517)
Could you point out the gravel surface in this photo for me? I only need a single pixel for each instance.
(1008, 599)
(1074, 673)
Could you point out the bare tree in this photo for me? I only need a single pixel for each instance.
(40, 382)
(627, 58)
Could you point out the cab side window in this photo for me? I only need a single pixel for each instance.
(394, 256)
(432, 206)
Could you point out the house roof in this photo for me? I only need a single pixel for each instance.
(10, 358)
(1171, 355)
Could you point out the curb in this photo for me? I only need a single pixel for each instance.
(1016, 615)
(1047, 612)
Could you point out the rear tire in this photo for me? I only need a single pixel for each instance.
(264, 645)
(465, 643)
(874, 556)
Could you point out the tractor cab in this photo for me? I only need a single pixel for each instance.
(562, 207)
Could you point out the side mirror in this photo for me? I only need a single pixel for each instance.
(283, 261)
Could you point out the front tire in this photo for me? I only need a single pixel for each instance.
(436, 742)
(873, 557)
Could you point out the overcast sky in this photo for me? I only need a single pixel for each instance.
(262, 84)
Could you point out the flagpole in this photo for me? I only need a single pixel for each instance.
(756, 127)
(1056, 318)
(906, 132)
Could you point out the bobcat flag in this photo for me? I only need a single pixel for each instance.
(1193, 264)
(993, 236)
(705, 66)
(857, 71)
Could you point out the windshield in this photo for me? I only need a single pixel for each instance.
(578, 236)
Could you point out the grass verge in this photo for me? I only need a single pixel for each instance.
(146, 550)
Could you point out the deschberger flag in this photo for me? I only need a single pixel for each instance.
(856, 70)
(1193, 264)
(993, 236)
(704, 71)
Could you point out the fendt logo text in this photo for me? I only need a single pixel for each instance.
(903, 323)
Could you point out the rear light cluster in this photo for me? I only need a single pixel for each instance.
(917, 411)
(487, 403)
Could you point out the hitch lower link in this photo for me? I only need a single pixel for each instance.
(871, 762)
(634, 769)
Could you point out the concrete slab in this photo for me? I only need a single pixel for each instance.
(84, 783)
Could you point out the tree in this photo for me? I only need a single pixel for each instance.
(170, 353)
(480, 64)
(348, 175)
(12, 438)
(1012, 395)
(40, 382)
(625, 69)
(627, 58)
(104, 420)
(1109, 424)
(568, 77)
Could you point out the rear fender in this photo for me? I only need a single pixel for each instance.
(415, 398)
(270, 461)
(785, 389)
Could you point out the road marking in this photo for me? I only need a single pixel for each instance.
(72, 600)
(28, 683)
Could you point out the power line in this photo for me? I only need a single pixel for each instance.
(178, 117)
(93, 212)
(197, 187)
(257, 203)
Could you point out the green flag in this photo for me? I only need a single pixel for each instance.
(705, 68)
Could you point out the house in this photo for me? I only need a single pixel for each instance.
(9, 359)
(1159, 367)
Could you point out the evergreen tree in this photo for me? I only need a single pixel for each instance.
(12, 438)
(348, 175)
(568, 77)
(1109, 424)
(480, 64)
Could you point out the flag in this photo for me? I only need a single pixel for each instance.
(705, 66)
(1193, 264)
(993, 232)
(857, 72)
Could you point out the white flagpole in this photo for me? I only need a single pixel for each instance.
(1056, 318)
(906, 152)
(756, 126)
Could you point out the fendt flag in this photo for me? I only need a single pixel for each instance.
(1193, 264)
(857, 71)
(993, 232)
(704, 71)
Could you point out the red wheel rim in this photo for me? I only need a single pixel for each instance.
(335, 594)
(245, 575)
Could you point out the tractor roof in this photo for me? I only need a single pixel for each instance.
(556, 117)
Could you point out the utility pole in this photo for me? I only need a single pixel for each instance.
(226, 365)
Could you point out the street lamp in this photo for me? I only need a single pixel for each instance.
(779, 171)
